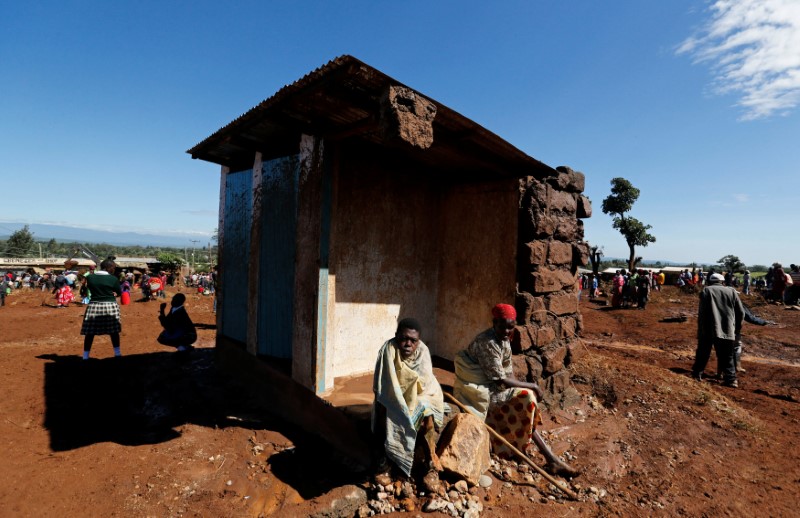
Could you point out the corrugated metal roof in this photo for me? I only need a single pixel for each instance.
(341, 99)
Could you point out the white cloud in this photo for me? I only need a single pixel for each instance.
(753, 47)
(741, 198)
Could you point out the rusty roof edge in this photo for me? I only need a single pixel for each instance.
(318, 72)
(339, 63)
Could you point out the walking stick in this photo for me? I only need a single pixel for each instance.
(521, 455)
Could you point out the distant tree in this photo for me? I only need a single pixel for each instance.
(21, 243)
(731, 263)
(215, 235)
(595, 255)
(170, 260)
(51, 247)
(618, 203)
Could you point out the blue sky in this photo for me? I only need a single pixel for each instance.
(694, 102)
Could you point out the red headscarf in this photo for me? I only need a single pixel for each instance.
(504, 312)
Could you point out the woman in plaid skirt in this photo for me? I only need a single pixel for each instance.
(102, 313)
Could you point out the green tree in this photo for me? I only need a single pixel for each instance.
(170, 261)
(731, 263)
(21, 243)
(618, 203)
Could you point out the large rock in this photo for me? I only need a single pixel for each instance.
(464, 448)
(340, 502)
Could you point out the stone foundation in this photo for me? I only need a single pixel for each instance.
(551, 248)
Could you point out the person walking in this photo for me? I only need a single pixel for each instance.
(102, 313)
(719, 322)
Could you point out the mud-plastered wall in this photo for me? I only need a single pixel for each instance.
(550, 250)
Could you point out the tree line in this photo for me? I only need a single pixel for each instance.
(23, 244)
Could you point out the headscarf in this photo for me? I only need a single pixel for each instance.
(504, 312)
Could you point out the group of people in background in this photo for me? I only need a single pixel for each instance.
(632, 289)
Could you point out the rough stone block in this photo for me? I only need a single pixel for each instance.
(529, 308)
(464, 448)
(562, 303)
(562, 179)
(408, 116)
(567, 229)
(544, 225)
(558, 382)
(535, 368)
(521, 340)
(519, 367)
(580, 254)
(538, 193)
(545, 336)
(535, 252)
(568, 327)
(575, 351)
(548, 281)
(577, 182)
(584, 207)
(553, 359)
(559, 253)
(563, 201)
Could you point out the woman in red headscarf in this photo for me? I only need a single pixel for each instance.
(485, 384)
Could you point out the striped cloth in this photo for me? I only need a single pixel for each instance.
(101, 318)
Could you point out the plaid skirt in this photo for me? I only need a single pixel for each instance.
(101, 318)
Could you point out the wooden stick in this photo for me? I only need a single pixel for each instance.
(521, 455)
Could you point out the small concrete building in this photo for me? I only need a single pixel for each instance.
(349, 200)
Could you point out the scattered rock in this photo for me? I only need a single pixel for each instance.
(461, 486)
(485, 481)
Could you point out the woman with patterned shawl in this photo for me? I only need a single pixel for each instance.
(486, 385)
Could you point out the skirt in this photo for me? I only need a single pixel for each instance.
(515, 419)
(101, 318)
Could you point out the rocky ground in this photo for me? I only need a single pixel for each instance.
(160, 434)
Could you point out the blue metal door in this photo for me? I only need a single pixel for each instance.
(276, 274)
(236, 253)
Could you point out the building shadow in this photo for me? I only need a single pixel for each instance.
(146, 398)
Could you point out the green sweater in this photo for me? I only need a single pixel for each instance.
(104, 288)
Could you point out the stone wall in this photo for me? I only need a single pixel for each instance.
(551, 248)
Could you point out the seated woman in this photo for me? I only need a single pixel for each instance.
(485, 384)
(409, 403)
(179, 329)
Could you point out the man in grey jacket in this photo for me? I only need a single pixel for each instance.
(719, 321)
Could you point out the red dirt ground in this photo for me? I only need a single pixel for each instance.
(160, 434)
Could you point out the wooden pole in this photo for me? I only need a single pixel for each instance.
(521, 455)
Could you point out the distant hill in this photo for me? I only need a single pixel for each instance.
(65, 234)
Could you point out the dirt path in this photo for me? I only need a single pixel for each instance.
(155, 434)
